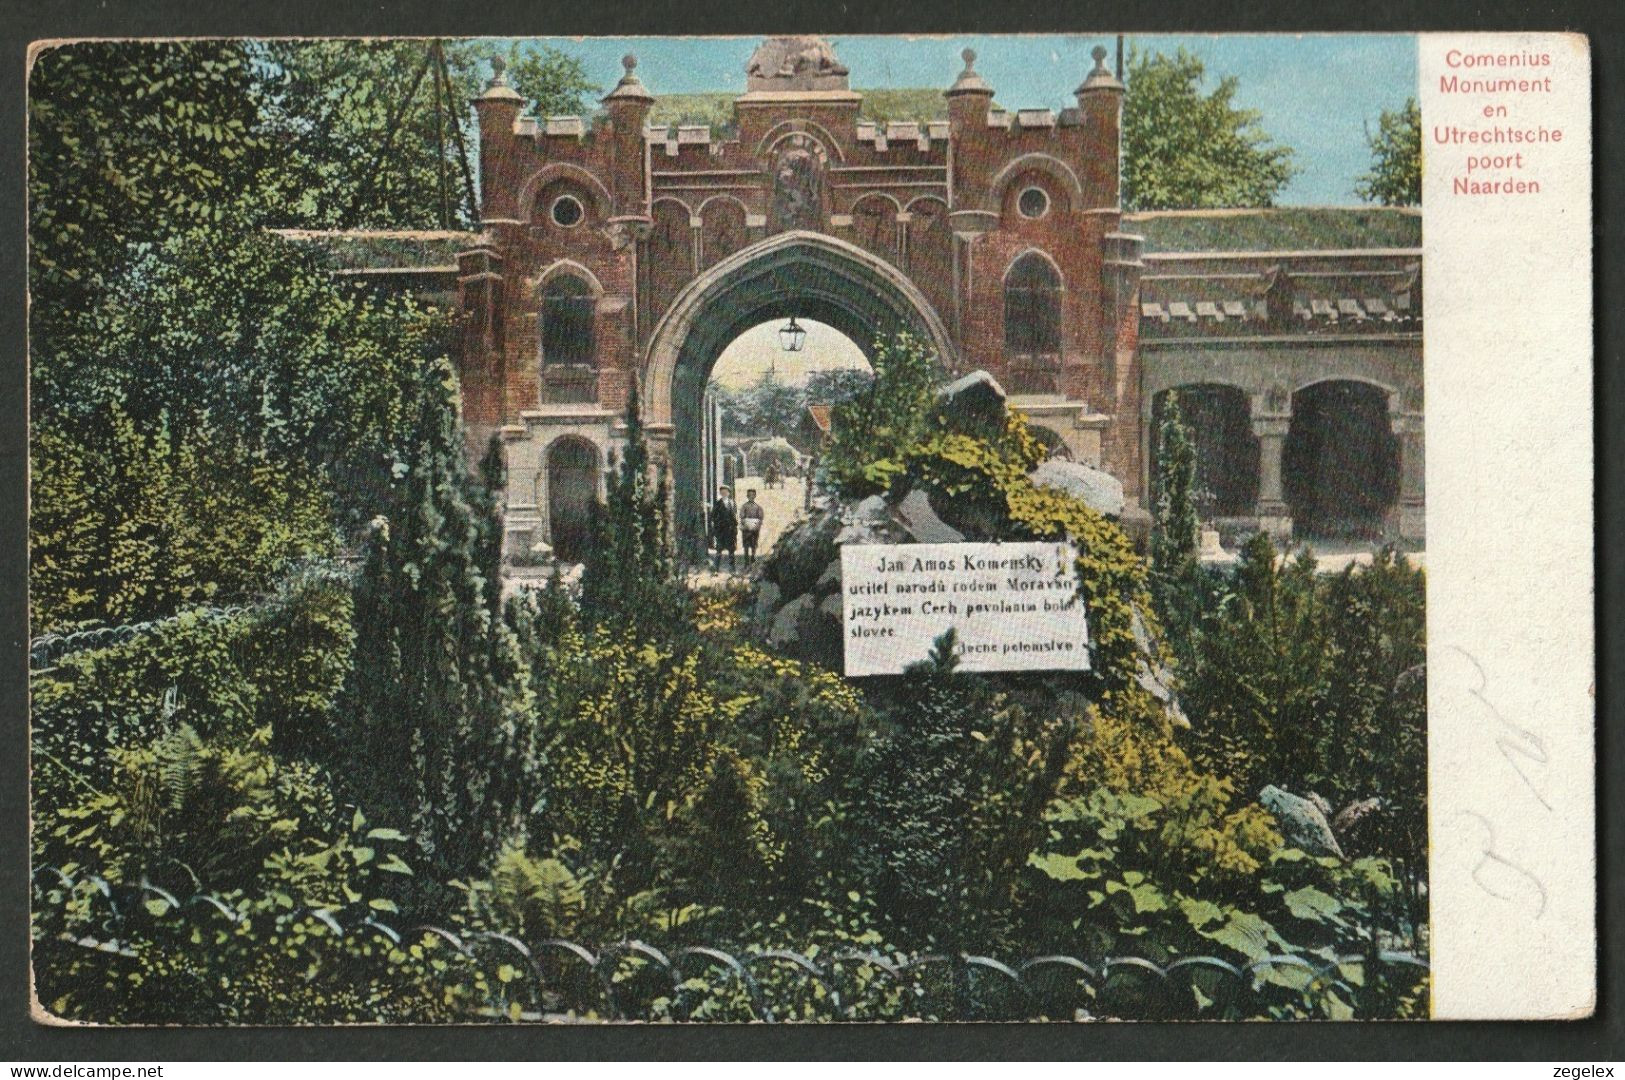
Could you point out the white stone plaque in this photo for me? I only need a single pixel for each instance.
(1016, 607)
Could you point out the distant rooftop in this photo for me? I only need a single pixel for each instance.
(1292, 228)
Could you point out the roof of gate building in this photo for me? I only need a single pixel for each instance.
(1292, 228)
(716, 110)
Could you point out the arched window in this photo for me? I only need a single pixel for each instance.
(1032, 307)
(567, 316)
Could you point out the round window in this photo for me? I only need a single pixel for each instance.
(567, 211)
(1033, 203)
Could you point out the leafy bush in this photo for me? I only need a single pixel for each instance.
(131, 522)
(297, 940)
(872, 430)
(685, 761)
(1149, 855)
(1315, 683)
(435, 722)
(954, 783)
(276, 664)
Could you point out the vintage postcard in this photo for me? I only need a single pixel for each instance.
(811, 529)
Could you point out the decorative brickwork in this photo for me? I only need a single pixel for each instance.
(649, 247)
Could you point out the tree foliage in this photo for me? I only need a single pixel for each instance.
(1315, 683)
(872, 431)
(630, 573)
(1176, 579)
(370, 135)
(768, 407)
(1395, 178)
(1173, 536)
(1186, 149)
(435, 714)
(129, 141)
(132, 522)
(832, 386)
(552, 82)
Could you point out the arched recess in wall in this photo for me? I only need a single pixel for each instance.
(573, 469)
(1340, 465)
(1058, 179)
(874, 226)
(567, 333)
(931, 251)
(722, 230)
(1219, 420)
(1032, 323)
(670, 255)
(544, 188)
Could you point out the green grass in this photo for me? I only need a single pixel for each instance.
(1284, 229)
(716, 110)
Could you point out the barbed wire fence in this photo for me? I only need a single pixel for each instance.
(556, 979)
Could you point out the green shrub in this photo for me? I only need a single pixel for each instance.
(435, 725)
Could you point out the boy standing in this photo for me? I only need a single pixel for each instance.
(750, 525)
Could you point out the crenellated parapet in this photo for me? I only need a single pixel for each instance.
(1070, 154)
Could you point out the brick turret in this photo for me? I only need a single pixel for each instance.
(497, 110)
(628, 106)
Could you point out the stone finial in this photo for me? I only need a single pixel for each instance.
(969, 82)
(1100, 76)
(630, 87)
(498, 89)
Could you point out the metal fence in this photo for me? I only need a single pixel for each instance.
(46, 649)
(560, 980)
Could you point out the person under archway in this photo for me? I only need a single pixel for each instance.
(724, 527)
(751, 517)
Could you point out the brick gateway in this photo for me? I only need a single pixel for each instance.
(624, 253)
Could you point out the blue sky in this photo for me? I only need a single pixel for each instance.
(1316, 93)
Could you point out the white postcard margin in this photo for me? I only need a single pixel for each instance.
(1511, 653)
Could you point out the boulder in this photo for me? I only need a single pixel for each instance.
(1303, 825)
(867, 521)
(1096, 488)
(830, 579)
(1355, 823)
(767, 598)
(802, 553)
(921, 522)
(1153, 675)
(786, 628)
(1136, 523)
(976, 397)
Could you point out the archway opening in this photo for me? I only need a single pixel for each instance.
(572, 488)
(767, 416)
(1340, 466)
(1219, 419)
(815, 279)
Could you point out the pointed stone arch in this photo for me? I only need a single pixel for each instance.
(808, 274)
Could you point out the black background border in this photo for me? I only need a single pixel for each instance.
(1599, 1038)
